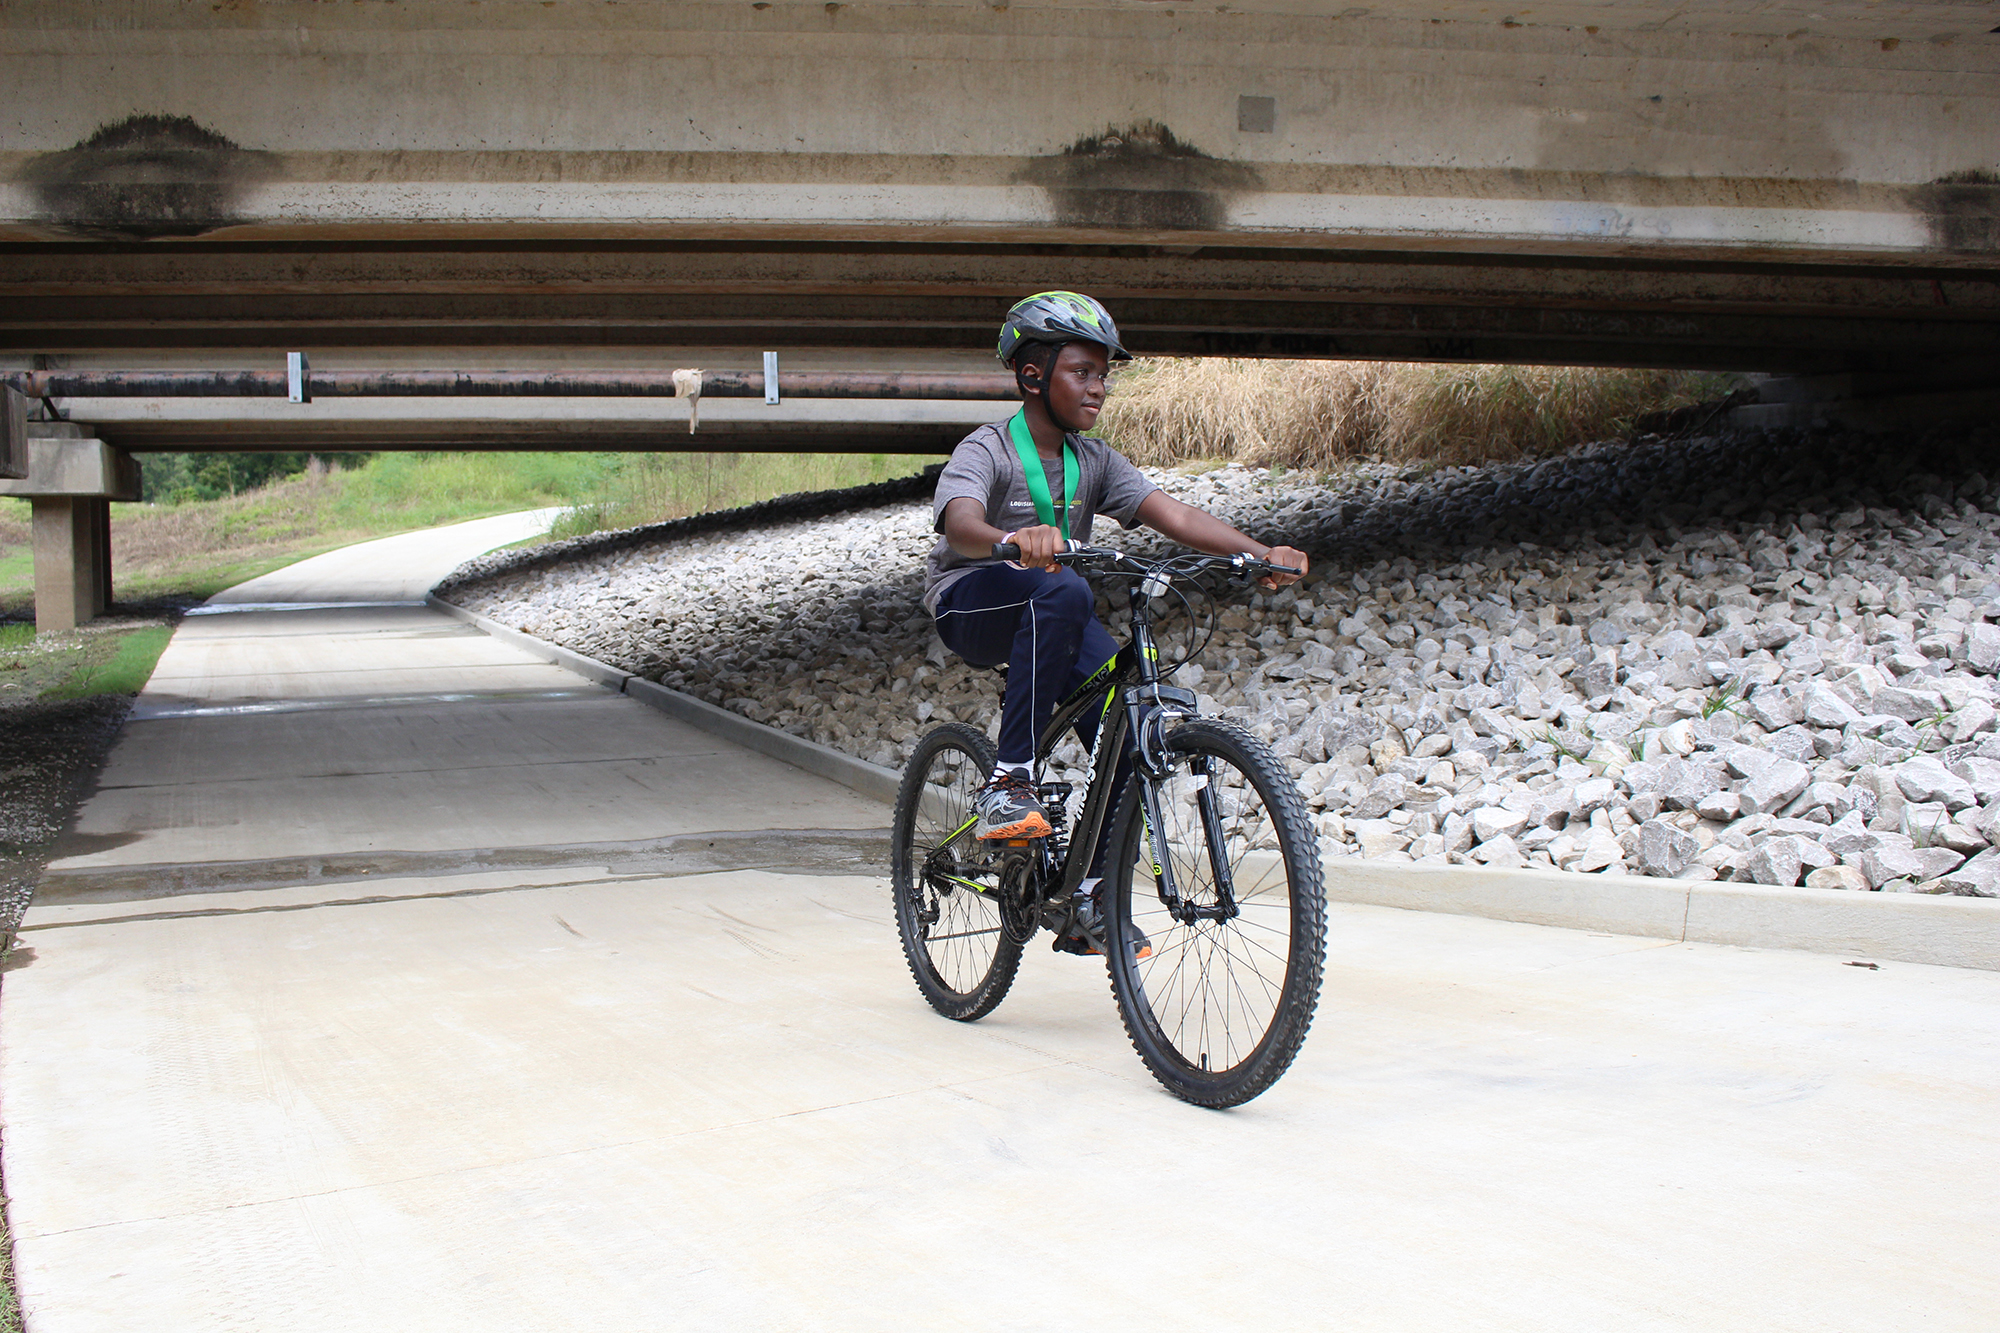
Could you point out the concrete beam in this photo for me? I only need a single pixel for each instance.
(62, 462)
(725, 425)
(1631, 307)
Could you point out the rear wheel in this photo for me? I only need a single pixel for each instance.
(948, 909)
(1236, 925)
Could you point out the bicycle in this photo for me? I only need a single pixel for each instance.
(1213, 864)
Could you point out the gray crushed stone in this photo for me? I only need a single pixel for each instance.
(1767, 658)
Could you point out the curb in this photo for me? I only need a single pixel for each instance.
(588, 667)
(1908, 928)
(858, 775)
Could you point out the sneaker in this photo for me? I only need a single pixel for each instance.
(1007, 808)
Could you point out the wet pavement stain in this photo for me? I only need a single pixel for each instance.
(804, 851)
(163, 707)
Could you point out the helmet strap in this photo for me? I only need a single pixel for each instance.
(1038, 355)
(1021, 378)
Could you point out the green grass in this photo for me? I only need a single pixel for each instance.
(425, 490)
(10, 1305)
(125, 671)
(204, 582)
(1723, 700)
(104, 658)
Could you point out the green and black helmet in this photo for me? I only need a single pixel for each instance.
(1059, 317)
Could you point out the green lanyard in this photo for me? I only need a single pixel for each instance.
(1038, 480)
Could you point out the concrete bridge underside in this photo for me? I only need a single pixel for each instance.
(1772, 186)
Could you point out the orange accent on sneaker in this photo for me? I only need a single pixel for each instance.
(1034, 826)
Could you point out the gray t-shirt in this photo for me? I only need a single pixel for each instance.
(986, 468)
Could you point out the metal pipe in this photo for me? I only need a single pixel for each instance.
(504, 384)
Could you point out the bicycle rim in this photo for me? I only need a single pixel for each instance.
(1220, 1007)
(947, 900)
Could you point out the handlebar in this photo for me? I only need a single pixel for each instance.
(1242, 565)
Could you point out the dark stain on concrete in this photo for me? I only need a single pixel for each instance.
(145, 177)
(782, 851)
(1962, 209)
(1141, 178)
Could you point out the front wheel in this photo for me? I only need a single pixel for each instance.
(1231, 919)
(948, 908)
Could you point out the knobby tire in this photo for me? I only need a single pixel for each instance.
(961, 959)
(1221, 1007)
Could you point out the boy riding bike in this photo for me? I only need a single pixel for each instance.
(1037, 481)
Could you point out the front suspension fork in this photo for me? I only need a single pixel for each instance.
(1224, 907)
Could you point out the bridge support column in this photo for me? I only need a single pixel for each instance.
(72, 544)
(71, 482)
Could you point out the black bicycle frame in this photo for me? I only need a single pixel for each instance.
(1134, 673)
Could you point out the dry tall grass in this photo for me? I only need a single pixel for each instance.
(651, 488)
(267, 521)
(1317, 414)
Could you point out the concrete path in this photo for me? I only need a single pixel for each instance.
(394, 569)
(397, 981)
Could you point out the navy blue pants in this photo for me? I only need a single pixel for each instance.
(1043, 624)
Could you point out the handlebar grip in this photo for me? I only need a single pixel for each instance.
(1012, 551)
